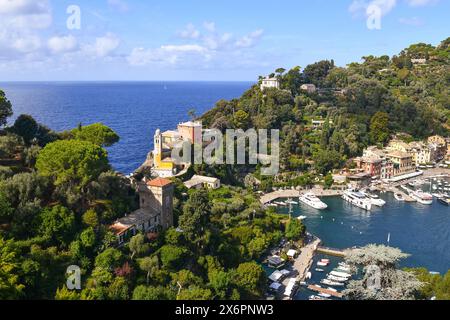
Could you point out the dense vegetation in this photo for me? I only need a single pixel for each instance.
(362, 104)
(58, 194)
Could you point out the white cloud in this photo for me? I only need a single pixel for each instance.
(421, 3)
(27, 44)
(208, 49)
(106, 45)
(62, 44)
(250, 39)
(414, 21)
(359, 7)
(118, 5)
(189, 32)
(26, 14)
(209, 26)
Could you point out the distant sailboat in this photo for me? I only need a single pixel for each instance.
(389, 238)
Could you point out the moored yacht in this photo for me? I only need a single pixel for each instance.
(376, 201)
(311, 200)
(399, 197)
(358, 199)
(422, 197)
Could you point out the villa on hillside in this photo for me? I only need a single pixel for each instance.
(309, 87)
(155, 212)
(198, 182)
(268, 83)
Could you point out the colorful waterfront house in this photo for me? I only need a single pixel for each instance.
(155, 212)
(269, 83)
(403, 162)
(371, 165)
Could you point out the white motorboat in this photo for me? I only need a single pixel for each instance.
(341, 274)
(332, 283)
(399, 197)
(422, 197)
(343, 269)
(325, 295)
(302, 218)
(311, 200)
(322, 264)
(336, 279)
(358, 199)
(376, 201)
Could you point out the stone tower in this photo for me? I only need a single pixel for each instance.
(160, 199)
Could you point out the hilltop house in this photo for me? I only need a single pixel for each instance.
(198, 182)
(309, 87)
(155, 212)
(268, 83)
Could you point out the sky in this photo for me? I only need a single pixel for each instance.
(199, 40)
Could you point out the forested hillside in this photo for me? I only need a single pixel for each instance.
(363, 104)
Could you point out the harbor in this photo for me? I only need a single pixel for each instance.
(399, 220)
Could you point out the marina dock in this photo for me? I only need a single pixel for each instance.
(325, 291)
(293, 194)
(331, 252)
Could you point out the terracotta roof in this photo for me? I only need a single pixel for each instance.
(159, 182)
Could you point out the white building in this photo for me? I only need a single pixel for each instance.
(268, 83)
(199, 182)
(309, 87)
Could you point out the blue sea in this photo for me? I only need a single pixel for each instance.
(136, 109)
(133, 109)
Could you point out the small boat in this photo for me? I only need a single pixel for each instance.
(332, 283)
(341, 274)
(316, 298)
(322, 264)
(332, 289)
(444, 200)
(302, 218)
(309, 276)
(343, 269)
(281, 204)
(325, 295)
(319, 270)
(325, 260)
(399, 197)
(336, 279)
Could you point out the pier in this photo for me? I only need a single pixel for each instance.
(331, 252)
(292, 194)
(325, 291)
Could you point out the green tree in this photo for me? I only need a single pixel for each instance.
(90, 218)
(153, 293)
(96, 133)
(150, 265)
(379, 128)
(5, 109)
(195, 293)
(57, 224)
(72, 162)
(251, 280)
(10, 287)
(241, 119)
(327, 160)
(295, 230)
(172, 257)
(195, 217)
